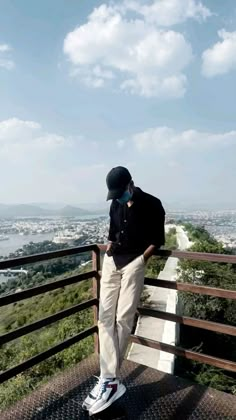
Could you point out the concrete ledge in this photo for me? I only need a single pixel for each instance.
(167, 360)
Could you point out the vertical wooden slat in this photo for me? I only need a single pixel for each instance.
(96, 290)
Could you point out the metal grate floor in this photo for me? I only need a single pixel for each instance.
(151, 395)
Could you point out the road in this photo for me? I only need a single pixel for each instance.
(182, 239)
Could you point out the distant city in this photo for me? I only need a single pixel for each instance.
(14, 233)
(221, 224)
(85, 229)
(93, 228)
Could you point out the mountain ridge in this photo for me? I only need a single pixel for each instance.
(30, 210)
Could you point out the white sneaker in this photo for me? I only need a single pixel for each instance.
(110, 390)
(92, 396)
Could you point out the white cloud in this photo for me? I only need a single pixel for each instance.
(184, 166)
(75, 184)
(139, 56)
(221, 57)
(37, 165)
(19, 139)
(5, 57)
(4, 48)
(95, 77)
(169, 12)
(166, 140)
(120, 144)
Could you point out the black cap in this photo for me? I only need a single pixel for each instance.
(117, 180)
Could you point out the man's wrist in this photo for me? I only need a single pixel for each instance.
(148, 252)
(109, 245)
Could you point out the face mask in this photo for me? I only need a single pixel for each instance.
(125, 197)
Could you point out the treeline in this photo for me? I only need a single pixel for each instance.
(209, 308)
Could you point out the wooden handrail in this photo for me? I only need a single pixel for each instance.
(31, 259)
(22, 367)
(191, 288)
(187, 354)
(185, 320)
(188, 255)
(44, 288)
(34, 326)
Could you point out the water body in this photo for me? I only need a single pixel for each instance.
(16, 241)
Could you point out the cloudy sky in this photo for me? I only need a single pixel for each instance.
(87, 85)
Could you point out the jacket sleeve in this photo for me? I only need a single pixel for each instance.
(112, 230)
(157, 225)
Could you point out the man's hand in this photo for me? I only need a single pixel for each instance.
(148, 253)
(109, 246)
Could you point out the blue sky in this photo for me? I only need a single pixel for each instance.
(87, 85)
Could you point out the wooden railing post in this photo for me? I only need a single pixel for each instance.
(96, 290)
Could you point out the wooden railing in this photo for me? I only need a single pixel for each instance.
(94, 302)
(38, 290)
(193, 322)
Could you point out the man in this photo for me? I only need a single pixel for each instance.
(136, 231)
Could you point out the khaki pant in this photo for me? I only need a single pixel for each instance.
(119, 297)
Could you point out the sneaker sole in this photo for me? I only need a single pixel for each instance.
(110, 402)
(86, 407)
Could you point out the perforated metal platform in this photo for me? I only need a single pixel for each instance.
(151, 395)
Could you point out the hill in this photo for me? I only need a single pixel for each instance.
(72, 211)
(29, 210)
(22, 210)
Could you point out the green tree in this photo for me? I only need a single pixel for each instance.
(210, 308)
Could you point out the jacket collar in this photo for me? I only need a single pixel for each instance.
(137, 194)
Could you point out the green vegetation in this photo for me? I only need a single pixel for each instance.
(23, 348)
(171, 241)
(41, 272)
(157, 264)
(25, 312)
(22, 313)
(209, 308)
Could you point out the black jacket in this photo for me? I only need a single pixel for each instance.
(133, 229)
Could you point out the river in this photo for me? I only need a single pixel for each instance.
(16, 241)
